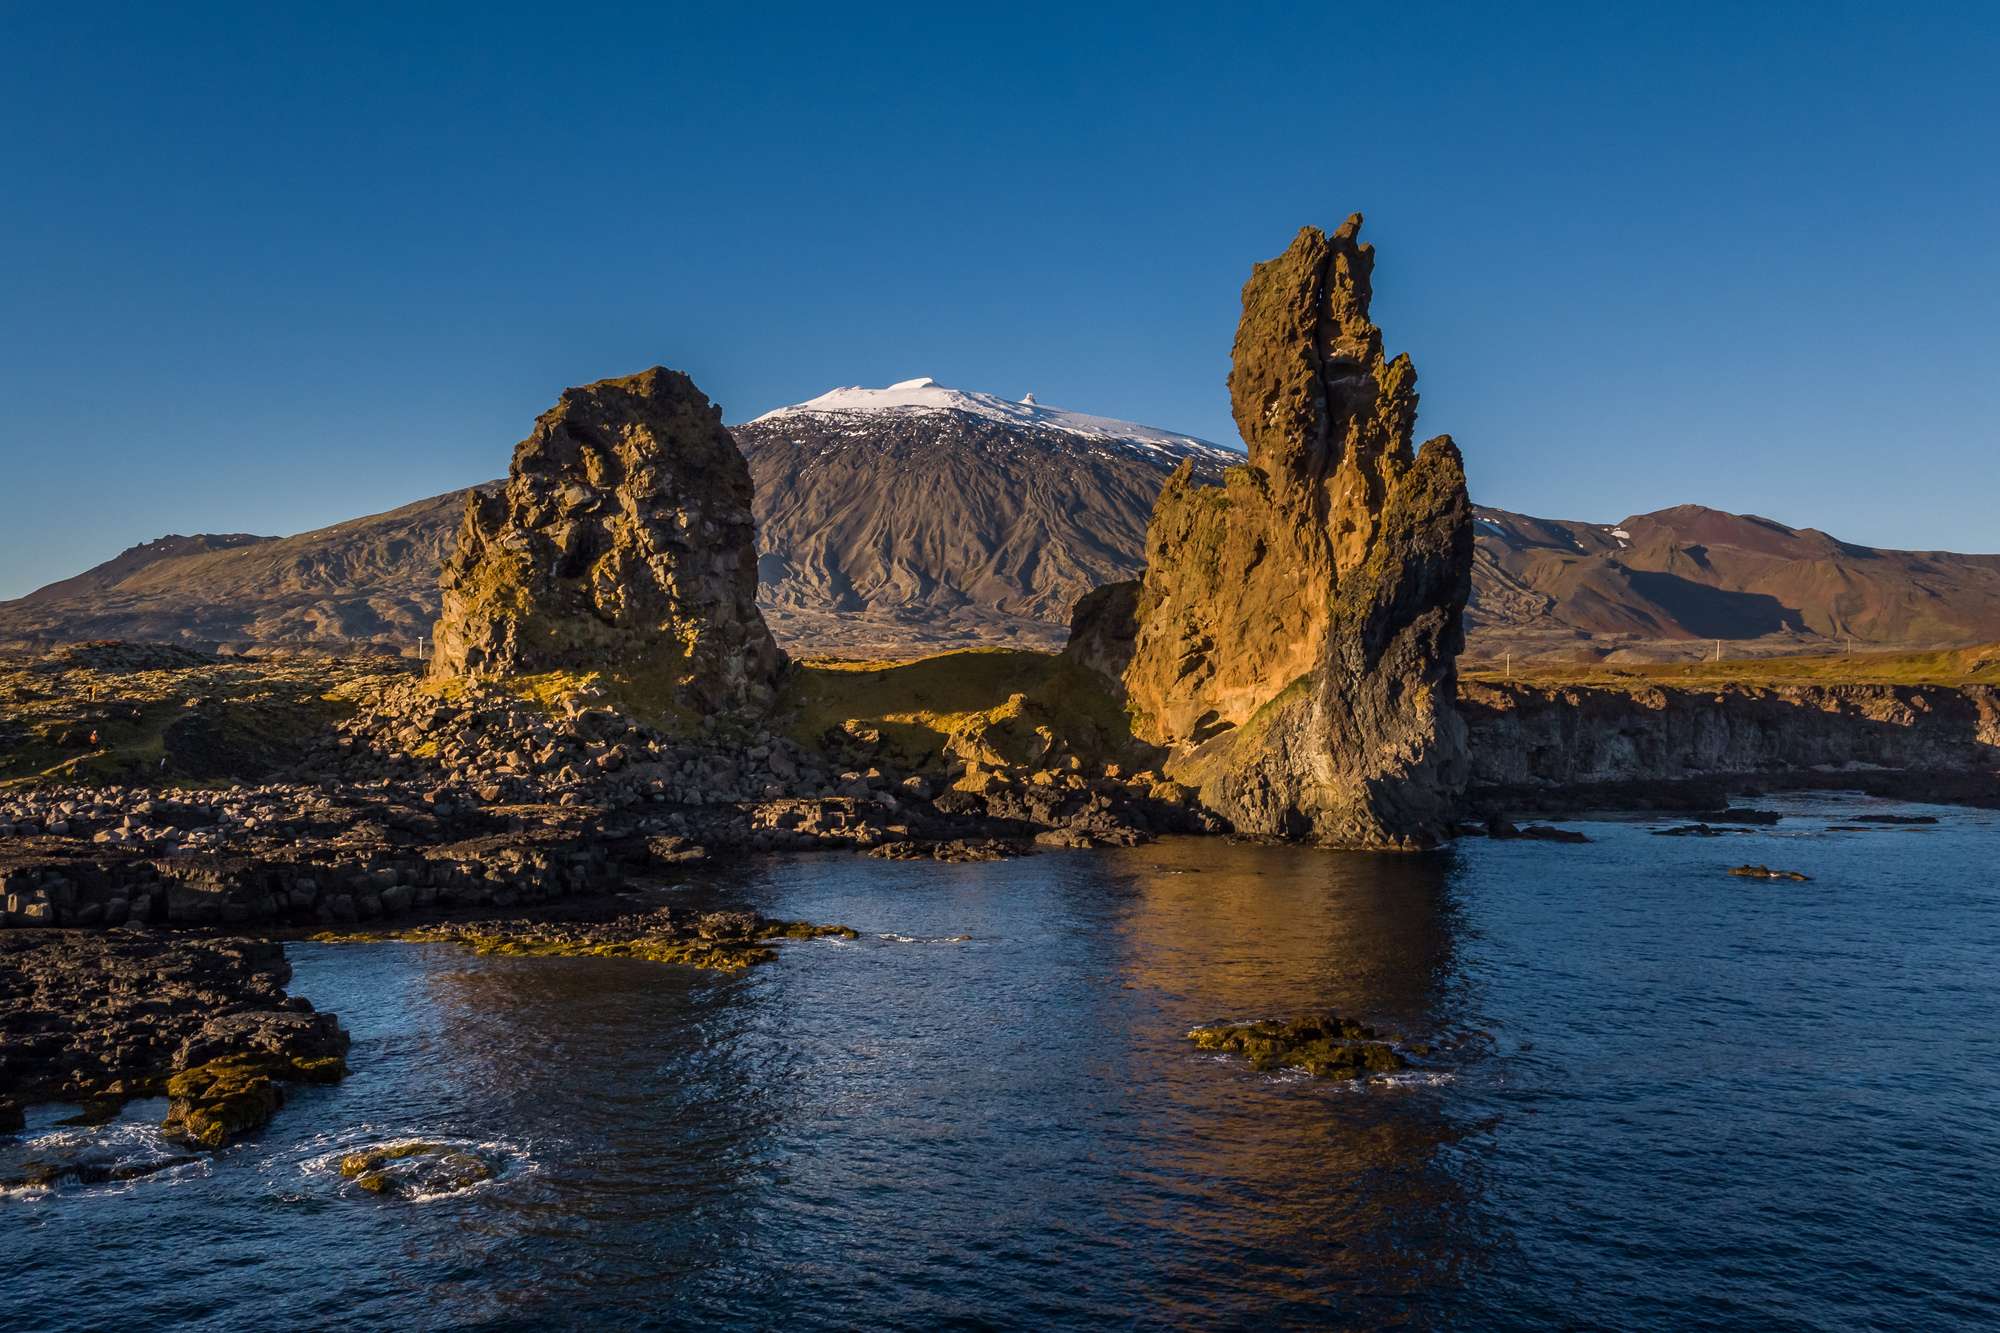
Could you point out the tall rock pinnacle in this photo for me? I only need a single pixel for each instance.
(1293, 642)
(622, 543)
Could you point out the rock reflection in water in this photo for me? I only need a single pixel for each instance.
(1288, 1195)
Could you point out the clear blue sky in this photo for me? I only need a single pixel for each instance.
(274, 266)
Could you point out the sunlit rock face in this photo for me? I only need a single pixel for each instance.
(1293, 640)
(621, 543)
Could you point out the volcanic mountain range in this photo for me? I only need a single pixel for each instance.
(917, 518)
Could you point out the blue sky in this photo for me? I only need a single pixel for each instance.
(271, 267)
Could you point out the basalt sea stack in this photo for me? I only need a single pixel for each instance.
(1293, 641)
(622, 543)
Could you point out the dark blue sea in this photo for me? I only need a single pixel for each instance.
(1657, 1097)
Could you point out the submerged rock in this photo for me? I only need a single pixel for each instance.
(1326, 1046)
(1504, 830)
(1765, 872)
(416, 1169)
(622, 543)
(1293, 641)
(718, 941)
(47, 1173)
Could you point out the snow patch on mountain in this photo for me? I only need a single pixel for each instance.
(927, 395)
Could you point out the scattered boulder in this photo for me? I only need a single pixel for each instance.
(1765, 872)
(1504, 830)
(417, 1169)
(1325, 1046)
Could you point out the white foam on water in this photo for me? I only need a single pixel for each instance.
(119, 1145)
(1417, 1078)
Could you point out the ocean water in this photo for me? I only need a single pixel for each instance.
(1658, 1097)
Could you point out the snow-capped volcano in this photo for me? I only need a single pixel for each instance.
(926, 395)
(932, 516)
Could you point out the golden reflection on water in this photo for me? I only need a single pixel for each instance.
(1339, 1194)
(1229, 930)
(730, 1110)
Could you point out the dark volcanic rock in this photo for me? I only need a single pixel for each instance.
(622, 544)
(1295, 633)
(718, 941)
(117, 1014)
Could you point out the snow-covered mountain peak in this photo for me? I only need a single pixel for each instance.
(925, 394)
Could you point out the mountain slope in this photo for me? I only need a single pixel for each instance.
(920, 515)
(1689, 574)
(370, 580)
(915, 518)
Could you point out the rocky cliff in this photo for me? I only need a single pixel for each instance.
(1292, 642)
(621, 543)
(1562, 740)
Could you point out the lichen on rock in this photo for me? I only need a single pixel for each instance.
(1292, 644)
(621, 543)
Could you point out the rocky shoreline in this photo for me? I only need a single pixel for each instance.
(105, 1017)
(511, 824)
(413, 805)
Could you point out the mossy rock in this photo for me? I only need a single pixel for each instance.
(211, 1104)
(718, 950)
(1765, 872)
(1326, 1046)
(416, 1168)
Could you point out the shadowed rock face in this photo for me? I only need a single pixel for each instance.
(622, 543)
(1293, 639)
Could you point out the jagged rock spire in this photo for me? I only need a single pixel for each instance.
(1293, 641)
